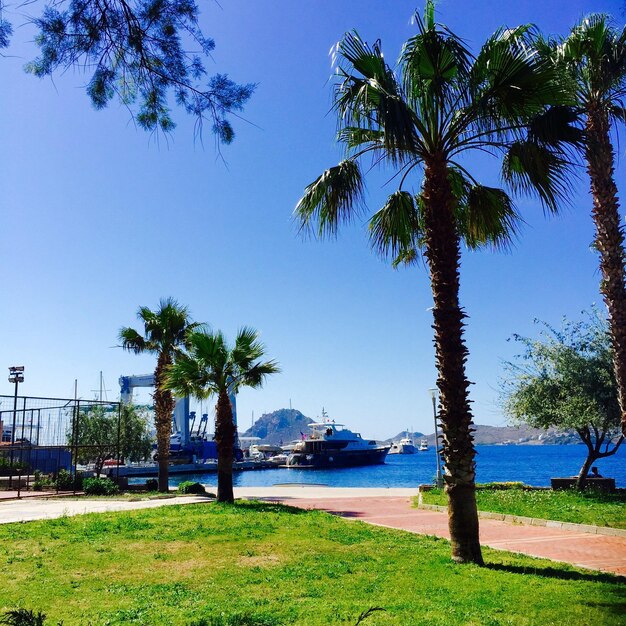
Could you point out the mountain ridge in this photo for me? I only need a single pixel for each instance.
(284, 425)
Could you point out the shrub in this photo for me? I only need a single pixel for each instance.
(66, 482)
(100, 487)
(6, 467)
(152, 484)
(503, 486)
(191, 487)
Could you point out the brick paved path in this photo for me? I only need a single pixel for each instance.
(599, 552)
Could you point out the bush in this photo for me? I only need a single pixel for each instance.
(503, 486)
(66, 482)
(191, 487)
(6, 467)
(152, 484)
(100, 487)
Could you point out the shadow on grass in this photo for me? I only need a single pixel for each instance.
(559, 574)
(269, 505)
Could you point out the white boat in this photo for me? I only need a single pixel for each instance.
(279, 459)
(404, 446)
(334, 445)
(263, 452)
(423, 445)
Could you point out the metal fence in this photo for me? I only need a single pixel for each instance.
(42, 443)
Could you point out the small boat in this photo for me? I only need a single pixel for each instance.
(263, 452)
(334, 445)
(280, 460)
(404, 446)
(423, 445)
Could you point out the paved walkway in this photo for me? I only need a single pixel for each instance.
(384, 507)
(394, 510)
(28, 510)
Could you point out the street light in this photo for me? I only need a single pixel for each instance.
(16, 375)
(433, 395)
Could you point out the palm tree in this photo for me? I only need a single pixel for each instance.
(442, 103)
(593, 57)
(164, 333)
(210, 366)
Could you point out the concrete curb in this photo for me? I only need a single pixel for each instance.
(535, 521)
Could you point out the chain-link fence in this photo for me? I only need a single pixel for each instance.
(47, 442)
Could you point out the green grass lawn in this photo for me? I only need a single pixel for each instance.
(588, 507)
(257, 564)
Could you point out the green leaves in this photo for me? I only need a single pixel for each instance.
(333, 199)
(135, 48)
(396, 228)
(509, 101)
(165, 330)
(209, 365)
(594, 56)
(531, 168)
(486, 216)
(565, 379)
(370, 97)
(433, 63)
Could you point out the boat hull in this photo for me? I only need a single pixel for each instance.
(344, 458)
(403, 449)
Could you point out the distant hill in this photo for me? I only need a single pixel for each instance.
(522, 435)
(286, 425)
(517, 436)
(416, 436)
(280, 426)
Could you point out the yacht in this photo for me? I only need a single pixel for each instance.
(404, 446)
(423, 445)
(334, 445)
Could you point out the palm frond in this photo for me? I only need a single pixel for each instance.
(510, 83)
(131, 340)
(486, 216)
(333, 199)
(247, 348)
(209, 347)
(210, 366)
(618, 113)
(530, 168)
(557, 126)
(255, 375)
(355, 136)
(188, 376)
(594, 53)
(407, 257)
(369, 96)
(433, 62)
(395, 228)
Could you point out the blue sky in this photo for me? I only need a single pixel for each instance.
(100, 217)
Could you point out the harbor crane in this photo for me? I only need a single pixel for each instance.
(181, 414)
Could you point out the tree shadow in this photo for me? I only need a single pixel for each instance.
(269, 505)
(559, 574)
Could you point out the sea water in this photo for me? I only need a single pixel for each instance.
(532, 465)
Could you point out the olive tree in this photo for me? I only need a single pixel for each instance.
(566, 379)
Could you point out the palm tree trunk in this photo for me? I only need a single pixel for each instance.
(609, 239)
(442, 251)
(163, 408)
(225, 439)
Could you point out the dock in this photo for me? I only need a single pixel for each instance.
(210, 467)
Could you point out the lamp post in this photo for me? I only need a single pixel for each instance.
(16, 375)
(433, 395)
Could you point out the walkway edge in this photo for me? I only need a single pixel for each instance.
(535, 521)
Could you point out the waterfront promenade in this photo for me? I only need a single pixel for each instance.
(391, 508)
